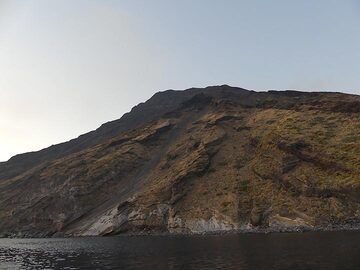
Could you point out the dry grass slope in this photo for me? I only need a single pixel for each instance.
(219, 161)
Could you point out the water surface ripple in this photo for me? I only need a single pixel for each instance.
(315, 250)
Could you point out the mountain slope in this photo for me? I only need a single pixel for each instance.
(218, 158)
(141, 114)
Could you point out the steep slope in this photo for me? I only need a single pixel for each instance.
(221, 158)
(141, 114)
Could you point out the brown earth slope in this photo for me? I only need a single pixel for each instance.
(212, 159)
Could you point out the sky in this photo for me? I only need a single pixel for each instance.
(68, 66)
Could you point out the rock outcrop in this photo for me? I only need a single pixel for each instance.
(195, 161)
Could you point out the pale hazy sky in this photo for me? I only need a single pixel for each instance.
(68, 66)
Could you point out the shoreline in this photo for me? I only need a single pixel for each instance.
(294, 230)
(338, 228)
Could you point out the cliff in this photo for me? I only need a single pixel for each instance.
(213, 159)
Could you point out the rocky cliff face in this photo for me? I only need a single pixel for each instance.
(199, 160)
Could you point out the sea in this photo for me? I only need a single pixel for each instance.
(309, 250)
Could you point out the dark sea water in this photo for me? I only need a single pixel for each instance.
(325, 250)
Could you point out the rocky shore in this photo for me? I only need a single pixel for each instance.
(243, 230)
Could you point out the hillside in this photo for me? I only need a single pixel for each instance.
(198, 160)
